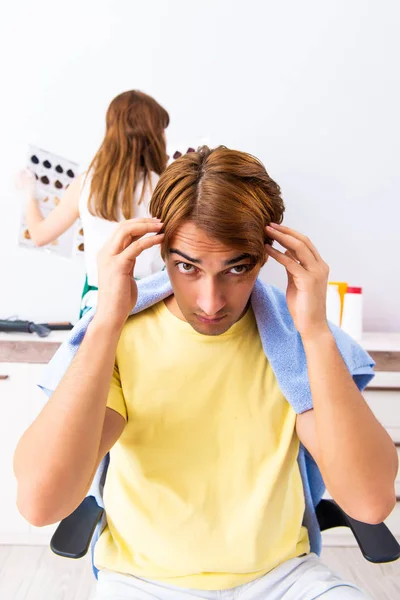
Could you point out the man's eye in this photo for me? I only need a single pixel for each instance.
(185, 267)
(240, 269)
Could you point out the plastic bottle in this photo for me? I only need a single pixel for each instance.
(352, 317)
(333, 304)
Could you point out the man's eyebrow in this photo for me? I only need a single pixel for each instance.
(237, 259)
(193, 260)
(197, 261)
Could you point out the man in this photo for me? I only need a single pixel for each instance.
(202, 401)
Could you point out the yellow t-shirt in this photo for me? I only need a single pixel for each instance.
(203, 489)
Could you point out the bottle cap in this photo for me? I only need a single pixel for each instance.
(354, 290)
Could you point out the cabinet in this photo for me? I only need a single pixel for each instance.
(21, 402)
(22, 359)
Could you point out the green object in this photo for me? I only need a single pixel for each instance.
(86, 288)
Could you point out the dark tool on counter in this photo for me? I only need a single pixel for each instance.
(24, 327)
(42, 329)
(58, 326)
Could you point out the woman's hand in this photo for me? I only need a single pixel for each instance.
(307, 279)
(26, 182)
(116, 265)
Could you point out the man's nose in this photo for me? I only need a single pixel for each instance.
(211, 299)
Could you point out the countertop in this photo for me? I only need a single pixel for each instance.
(370, 341)
(24, 347)
(29, 347)
(383, 342)
(54, 337)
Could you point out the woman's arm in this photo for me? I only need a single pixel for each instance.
(45, 230)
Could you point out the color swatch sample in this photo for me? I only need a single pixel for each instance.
(53, 175)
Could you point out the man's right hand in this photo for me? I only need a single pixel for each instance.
(116, 263)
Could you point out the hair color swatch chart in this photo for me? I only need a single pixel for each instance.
(53, 175)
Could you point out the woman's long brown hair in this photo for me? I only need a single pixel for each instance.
(133, 146)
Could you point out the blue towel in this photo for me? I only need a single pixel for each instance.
(284, 349)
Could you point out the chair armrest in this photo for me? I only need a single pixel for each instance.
(73, 535)
(376, 542)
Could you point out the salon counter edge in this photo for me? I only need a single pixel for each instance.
(29, 348)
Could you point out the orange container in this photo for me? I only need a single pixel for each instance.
(342, 287)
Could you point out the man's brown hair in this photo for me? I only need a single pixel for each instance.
(226, 193)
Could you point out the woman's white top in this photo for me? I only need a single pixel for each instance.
(97, 231)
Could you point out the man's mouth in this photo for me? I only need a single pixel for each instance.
(210, 321)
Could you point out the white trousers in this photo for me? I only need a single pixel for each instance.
(302, 578)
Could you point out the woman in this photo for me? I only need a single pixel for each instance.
(117, 186)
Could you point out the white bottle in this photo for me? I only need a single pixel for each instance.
(352, 316)
(333, 304)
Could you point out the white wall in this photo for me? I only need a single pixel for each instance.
(312, 88)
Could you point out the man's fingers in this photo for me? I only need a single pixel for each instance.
(299, 236)
(296, 246)
(287, 261)
(129, 231)
(139, 245)
(291, 255)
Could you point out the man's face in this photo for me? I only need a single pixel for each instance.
(212, 283)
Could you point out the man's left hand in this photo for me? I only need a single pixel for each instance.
(307, 279)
